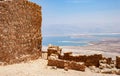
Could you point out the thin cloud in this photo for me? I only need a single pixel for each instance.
(78, 1)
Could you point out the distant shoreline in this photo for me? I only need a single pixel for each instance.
(109, 48)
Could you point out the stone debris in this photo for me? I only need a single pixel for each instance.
(106, 71)
(96, 63)
(66, 66)
(94, 69)
(118, 72)
(105, 64)
(53, 57)
(20, 31)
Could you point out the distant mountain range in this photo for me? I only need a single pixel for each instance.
(78, 29)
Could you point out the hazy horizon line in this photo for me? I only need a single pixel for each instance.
(82, 34)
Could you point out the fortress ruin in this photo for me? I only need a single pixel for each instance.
(20, 31)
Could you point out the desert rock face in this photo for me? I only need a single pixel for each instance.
(20, 31)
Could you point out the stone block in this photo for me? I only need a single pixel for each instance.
(118, 62)
(93, 60)
(58, 63)
(77, 66)
(54, 50)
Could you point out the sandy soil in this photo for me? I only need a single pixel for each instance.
(39, 68)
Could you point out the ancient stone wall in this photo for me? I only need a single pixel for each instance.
(20, 31)
(118, 62)
(54, 50)
(91, 60)
(67, 64)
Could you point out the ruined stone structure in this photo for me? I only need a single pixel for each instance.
(20, 31)
(80, 62)
(54, 50)
(92, 60)
(55, 59)
(67, 64)
(118, 62)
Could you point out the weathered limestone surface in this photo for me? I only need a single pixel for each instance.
(20, 31)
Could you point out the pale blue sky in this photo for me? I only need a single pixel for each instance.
(80, 16)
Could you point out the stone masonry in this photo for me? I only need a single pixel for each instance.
(20, 31)
(118, 62)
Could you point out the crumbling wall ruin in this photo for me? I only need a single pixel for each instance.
(20, 31)
(96, 63)
(91, 60)
(67, 64)
(118, 62)
(54, 50)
